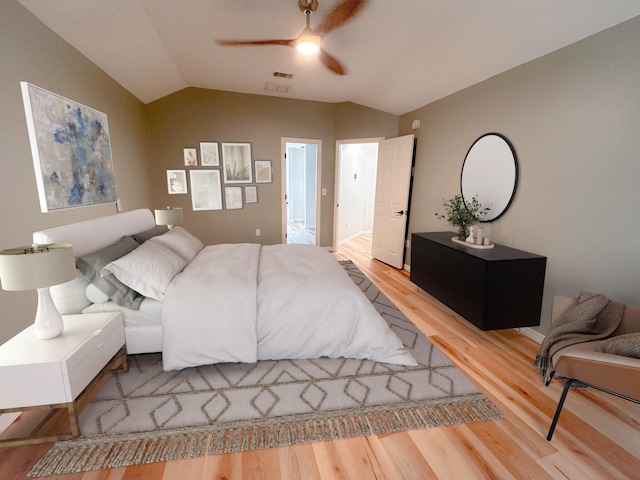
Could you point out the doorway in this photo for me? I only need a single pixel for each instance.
(356, 165)
(301, 180)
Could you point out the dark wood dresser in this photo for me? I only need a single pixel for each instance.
(492, 288)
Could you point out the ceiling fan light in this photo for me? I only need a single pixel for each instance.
(308, 42)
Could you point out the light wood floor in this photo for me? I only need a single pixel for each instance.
(598, 436)
(297, 233)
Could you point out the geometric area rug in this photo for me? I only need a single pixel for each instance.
(147, 415)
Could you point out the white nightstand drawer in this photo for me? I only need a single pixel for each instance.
(98, 334)
(91, 358)
(47, 372)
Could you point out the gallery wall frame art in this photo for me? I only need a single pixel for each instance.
(236, 161)
(209, 154)
(233, 198)
(190, 157)
(206, 190)
(251, 194)
(177, 182)
(263, 171)
(71, 150)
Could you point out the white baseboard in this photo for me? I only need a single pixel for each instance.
(532, 334)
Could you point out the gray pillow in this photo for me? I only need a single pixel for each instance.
(146, 235)
(626, 345)
(91, 264)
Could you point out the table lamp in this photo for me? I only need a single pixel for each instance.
(37, 268)
(168, 216)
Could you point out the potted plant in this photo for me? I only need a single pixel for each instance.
(461, 215)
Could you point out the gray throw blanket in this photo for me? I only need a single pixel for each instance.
(593, 318)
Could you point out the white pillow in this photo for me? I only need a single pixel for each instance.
(181, 242)
(148, 269)
(69, 297)
(95, 295)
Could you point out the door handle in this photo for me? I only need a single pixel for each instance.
(400, 213)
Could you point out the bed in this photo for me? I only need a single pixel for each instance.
(200, 305)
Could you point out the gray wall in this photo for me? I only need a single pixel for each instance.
(30, 52)
(192, 115)
(574, 119)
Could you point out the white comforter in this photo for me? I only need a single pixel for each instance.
(246, 302)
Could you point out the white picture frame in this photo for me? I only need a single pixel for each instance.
(71, 150)
(251, 194)
(209, 156)
(177, 182)
(264, 172)
(233, 198)
(190, 156)
(206, 190)
(236, 163)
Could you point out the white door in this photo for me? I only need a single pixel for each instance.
(395, 158)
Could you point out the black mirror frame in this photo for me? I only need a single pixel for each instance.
(515, 181)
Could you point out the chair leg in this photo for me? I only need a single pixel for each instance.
(567, 386)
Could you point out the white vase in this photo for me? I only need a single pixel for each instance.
(471, 238)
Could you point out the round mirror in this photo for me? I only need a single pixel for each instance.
(490, 173)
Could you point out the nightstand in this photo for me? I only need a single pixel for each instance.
(58, 373)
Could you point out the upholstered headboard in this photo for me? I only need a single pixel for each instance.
(92, 235)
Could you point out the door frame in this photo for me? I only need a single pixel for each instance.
(336, 190)
(283, 182)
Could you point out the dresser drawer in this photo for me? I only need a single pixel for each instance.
(88, 359)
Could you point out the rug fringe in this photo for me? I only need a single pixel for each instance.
(86, 455)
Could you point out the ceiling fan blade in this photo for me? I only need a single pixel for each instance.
(235, 43)
(341, 14)
(332, 63)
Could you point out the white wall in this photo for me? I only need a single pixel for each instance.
(357, 194)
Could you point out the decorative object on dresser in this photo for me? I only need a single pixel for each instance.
(490, 174)
(37, 268)
(461, 215)
(60, 373)
(493, 289)
(169, 216)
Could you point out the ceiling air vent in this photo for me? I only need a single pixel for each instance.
(276, 87)
(283, 75)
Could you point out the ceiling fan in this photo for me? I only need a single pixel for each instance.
(309, 41)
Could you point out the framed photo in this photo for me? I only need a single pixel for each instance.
(190, 157)
(251, 194)
(177, 181)
(236, 160)
(233, 198)
(209, 154)
(263, 171)
(206, 190)
(71, 150)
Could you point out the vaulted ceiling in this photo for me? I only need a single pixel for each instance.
(399, 54)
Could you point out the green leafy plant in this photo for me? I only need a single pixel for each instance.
(461, 215)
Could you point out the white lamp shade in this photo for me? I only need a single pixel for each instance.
(168, 216)
(30, 268)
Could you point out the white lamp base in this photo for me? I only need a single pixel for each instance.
(48, 322)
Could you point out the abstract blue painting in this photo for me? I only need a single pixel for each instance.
(71, 151)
